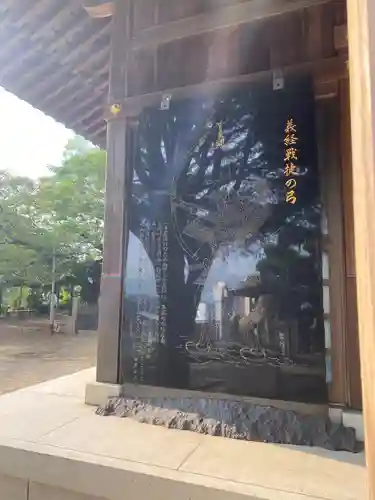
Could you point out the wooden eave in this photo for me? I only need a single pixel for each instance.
(56, 57)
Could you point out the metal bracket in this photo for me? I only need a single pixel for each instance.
(165, 102)
(278, 79)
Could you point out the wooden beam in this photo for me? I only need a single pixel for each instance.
(115, 220)
(69, 37)
(91, 118)
(44, 63)
(97, 122)
(34, 42)
(361, 38)
(326, 90)
(328, 140)
(76, 72)
(37, 80)
(55, 103)
(23, 11)
(341, 37)
(75, 84)
(93, 57)
(88, 37)
(57, 80)
(82, 99)
(81, 117)
(223, 17)
(78, 88)
(50, 72)
(89, 44)
(323, 69)
(99, 139)
(100, 132)
(353, 363)
(67, 86)
(98, 9)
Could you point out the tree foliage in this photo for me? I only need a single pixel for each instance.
(61, 213)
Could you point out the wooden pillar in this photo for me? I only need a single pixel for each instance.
(333, 241)
(350, 315)
(115, 231)
(361, 37)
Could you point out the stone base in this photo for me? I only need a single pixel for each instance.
(354, 419)
(335, 414)
(349, 418)
(236, 420)
(98, 393)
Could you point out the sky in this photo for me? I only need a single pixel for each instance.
(29, 140)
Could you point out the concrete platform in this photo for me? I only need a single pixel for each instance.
(53, 447)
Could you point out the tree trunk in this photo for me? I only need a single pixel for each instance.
(181, 302)
(181, 313)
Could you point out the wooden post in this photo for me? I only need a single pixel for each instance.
(115, 232)
(361, 37)
(76, 299)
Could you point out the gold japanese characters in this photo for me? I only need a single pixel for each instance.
(291, 157)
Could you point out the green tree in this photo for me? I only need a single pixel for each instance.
(59, 214)
(71, 201)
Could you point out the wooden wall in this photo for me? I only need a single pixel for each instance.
(289, 39)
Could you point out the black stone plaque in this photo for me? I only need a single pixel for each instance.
(223, 289)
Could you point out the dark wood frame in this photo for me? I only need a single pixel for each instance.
(354, 399)
(115, 232)
(132, 106)
(336, 171)
(327, 72)
(328, 135)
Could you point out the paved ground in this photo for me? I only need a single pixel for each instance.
(53, 446)
(29, 354)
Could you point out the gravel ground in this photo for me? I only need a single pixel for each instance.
(30, 355)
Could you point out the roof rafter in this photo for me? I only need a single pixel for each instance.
(85, 107)
(91, 109)
(41, 11)
(29, 46)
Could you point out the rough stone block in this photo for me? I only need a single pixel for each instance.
(236, 420)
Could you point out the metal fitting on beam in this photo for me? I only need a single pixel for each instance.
(98, 8)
